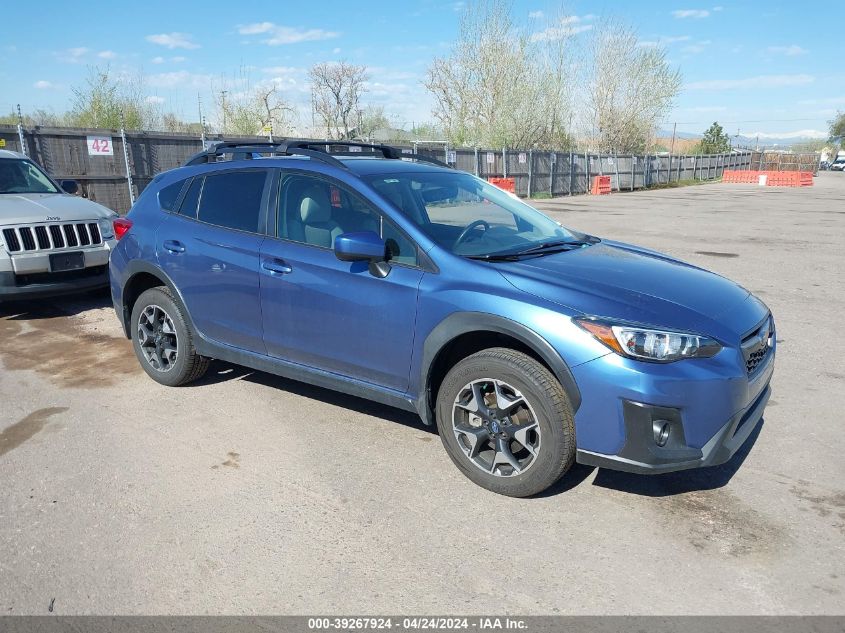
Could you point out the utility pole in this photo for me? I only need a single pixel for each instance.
(126, 160)
(672, 147)
(20, 132)
(202, 120)
(223, 105)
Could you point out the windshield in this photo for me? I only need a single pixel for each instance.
(23, 176)
(468, 216)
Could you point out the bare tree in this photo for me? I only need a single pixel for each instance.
(630, 89)
(500, 85)
(244, 109)
(336, 90)
(372, 119)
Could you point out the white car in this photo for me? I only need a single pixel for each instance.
(51, 242)
(838, 165)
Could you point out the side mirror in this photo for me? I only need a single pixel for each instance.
(69, 186)
(363, 246)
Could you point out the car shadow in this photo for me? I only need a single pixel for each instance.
(54, 307)
(220, 371)
(667, 484)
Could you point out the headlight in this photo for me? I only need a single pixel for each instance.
(106, 228)
(648, 344)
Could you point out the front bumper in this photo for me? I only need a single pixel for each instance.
(655, 418)
(643, 455)
(17, 287)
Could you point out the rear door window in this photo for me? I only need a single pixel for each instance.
(192, 198)
(233, 199)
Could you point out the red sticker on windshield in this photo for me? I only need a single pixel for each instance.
(335, 197)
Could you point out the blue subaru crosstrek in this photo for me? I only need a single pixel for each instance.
(395, 278)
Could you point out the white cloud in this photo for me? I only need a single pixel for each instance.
(157, 60)
(180, 79)
(667, 39)
(690, 13)
(173, 40)
(825, 101)
(43, 85)
(789, 51)
(106, 54)
(698, 47)
(565, 27)
(535, 15)
(760, 81)
(178, 59)
(795, 134)
(717, 9)
(73, 55)
(154, 99)
(79, 51)
(335, 51)
(278, 35)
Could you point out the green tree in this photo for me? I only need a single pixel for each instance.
(837, 128)
(714, 141)
(98, 103)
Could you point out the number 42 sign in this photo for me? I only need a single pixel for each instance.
(100, 146)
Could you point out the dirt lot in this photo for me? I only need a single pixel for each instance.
(252, 494)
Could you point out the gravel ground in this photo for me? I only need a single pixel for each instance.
(250, 494)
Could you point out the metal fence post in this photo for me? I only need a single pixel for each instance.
(633, 170)
(126, 161)
(552, 161)
(476, 161)
(530, 169)
(587, 172)
(504, 162)
(21, 138)
(571, 172)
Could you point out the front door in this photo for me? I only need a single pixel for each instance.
(333, 315)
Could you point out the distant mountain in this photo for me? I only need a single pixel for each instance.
(668, 134)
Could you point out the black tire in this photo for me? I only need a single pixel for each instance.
(549, 406)
(188, 366)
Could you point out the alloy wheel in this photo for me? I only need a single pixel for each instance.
(496, 427)
(157, 338)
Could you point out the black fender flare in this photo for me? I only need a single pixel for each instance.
(137, 266)
(466, 322)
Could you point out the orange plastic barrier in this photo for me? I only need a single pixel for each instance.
(506, 184)
(773, 178)
(601, 186)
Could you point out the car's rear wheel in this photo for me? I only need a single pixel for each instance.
(162, 339)
(506, 422)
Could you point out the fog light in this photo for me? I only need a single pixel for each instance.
(661, 432)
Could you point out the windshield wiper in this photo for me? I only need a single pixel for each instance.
(538, 250)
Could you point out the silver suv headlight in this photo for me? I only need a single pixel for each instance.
(643, 343)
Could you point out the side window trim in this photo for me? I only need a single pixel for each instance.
(423, 262)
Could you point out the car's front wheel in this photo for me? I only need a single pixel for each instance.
(162, 339)
(506, 422)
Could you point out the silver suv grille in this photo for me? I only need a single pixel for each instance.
(45, 237)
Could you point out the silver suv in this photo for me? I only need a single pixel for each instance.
(50, 242)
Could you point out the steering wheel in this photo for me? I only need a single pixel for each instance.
(470, 228)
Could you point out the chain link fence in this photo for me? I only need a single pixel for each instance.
(66, 154)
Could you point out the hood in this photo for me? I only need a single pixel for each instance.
(625, 282)
(33, 208)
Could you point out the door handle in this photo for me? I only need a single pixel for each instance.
(173, 246)
(276, 266)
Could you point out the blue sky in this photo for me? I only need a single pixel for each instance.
(770, 68)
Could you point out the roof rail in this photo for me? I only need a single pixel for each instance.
(387, 151)
(292, 147)
(246, 150)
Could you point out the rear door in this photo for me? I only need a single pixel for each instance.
(210, 249)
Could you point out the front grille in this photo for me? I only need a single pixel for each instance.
(43, 237)
(757, 344)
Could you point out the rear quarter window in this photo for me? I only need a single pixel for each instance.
(233, 199)
(168, 196)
